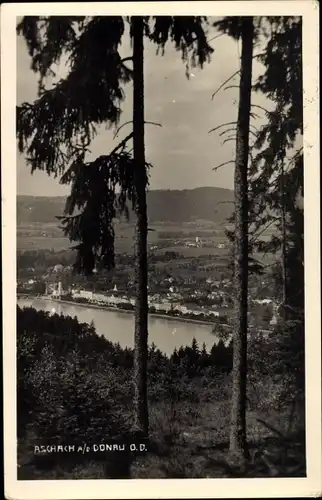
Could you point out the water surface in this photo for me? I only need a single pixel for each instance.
(116, 326)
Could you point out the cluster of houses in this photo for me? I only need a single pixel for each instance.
(199, 243)
(165, 304)
(196, 244)
(169, 301)
(161, 305)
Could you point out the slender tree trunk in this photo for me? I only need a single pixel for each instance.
(238, 443)
(141, 423)
(284, 247)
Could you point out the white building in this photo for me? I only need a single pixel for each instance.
(182, 309)
(82, 294)
(58, 290)
(162, 306)
(263, 301)
(99, 298)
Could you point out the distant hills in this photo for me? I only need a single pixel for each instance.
(177, 206)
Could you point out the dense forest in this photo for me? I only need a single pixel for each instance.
(75, 387)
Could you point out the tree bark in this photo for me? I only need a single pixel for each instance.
(141, 423)
(238, 443)
(284, 245)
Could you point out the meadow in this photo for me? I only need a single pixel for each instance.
(44, 236)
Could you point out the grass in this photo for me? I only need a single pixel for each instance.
(42, 243)
(49, 236)
(187, 440)
(43, 236)
(123, 244)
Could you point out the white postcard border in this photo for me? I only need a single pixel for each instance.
(176, 488)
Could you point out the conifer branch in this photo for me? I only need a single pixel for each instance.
(228, 130)
(295, 156)
(131, 121)
(130, 58)
(228, 80)
(252, 132)
(229, 139)
(267, 112)
(251, 125)
(261, 54)
(222, 165)
(215, 37)
(231, 87)
(122, 144)
(153, 123)
(257, 235)
(119, 128)
(223, 125)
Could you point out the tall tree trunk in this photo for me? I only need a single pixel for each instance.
(238, 442)
(141, 423)
(284, 247)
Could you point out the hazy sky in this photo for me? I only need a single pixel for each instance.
(182, 152)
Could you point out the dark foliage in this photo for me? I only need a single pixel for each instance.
(74, 386)
(188, 34)
(93, 193)
(57, 355)
(276, 175)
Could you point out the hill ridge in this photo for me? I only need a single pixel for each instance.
(168, 205)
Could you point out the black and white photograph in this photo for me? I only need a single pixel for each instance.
(163, 321)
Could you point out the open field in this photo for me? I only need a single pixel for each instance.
(42, 243)
(164, 237)
(46, 236)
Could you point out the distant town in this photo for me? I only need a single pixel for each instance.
(189, 261)
(188, 298)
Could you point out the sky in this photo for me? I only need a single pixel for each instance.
(182, 152)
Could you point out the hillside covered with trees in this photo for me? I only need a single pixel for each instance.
(207, 203)
(75, 387)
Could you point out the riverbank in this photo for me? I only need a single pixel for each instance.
(117, 309)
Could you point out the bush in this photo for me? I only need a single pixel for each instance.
(74, 405)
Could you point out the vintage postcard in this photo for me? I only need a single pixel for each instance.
(161, 250)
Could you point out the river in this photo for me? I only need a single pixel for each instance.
(167, 334)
